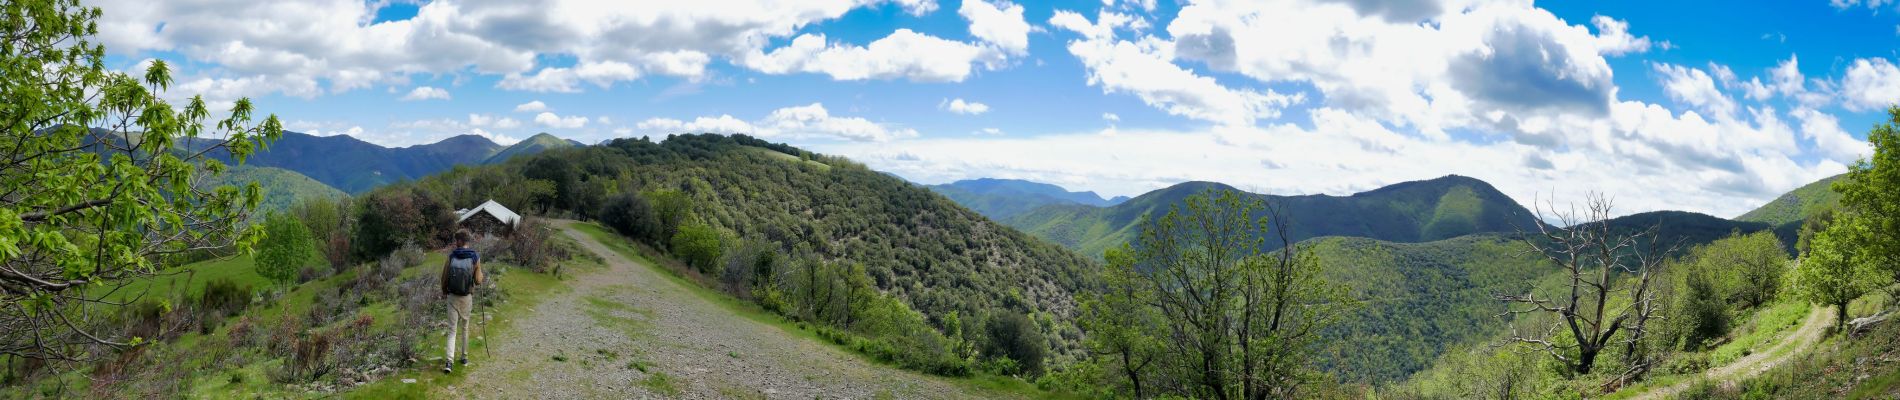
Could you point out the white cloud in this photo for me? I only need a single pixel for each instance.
(549, 119)
(723, 124)
(1613, 37)
(250, 48)
(532, 106)
(1697, 89)
(905, 54)
(566, 80)
(1000, 24)
(1871, 4)
(1111, 117)
(1145, 69)
(990, 131)
(426, 93)
(1870, 84)
(811, 121)
(962, 107)
(1828, 137)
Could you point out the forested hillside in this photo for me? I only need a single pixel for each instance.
(533, 144)
(282, 188)
(1419, 299)
(1797, 205)
(1418, 211)
(1001, 199)
(766, 220)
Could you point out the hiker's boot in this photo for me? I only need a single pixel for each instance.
(448, 367)
(463, 361)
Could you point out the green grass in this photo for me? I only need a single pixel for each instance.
(191, 279)
(1764, 330)
(660, 382)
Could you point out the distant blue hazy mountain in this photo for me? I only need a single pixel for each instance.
(1001, 199)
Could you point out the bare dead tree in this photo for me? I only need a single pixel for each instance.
(1607, 297)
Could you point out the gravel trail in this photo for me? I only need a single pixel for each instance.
(624, 331)
(1803, 339)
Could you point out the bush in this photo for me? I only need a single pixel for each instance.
(1012, 335)
(286, 249)
(631, 215)
(699, 245)
(224, 297)
(532, 247)
(393, 217)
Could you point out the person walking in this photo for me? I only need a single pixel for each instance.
(460, 274)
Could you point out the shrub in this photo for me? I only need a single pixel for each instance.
(1012, 335)
(224, 297)
(285, 250)
(393, 217)
(631, 215)
(699, 245)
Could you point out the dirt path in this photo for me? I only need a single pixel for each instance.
(625, 331)
(1797, 343)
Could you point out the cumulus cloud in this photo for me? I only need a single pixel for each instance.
(332, 46)
(1695, 88)
(904, 54)
(532, 106)
(426, 93)
(551, 120)
(1613, 37)
(1000, 24)
(810, 121)
(1870, 84)
(962, 107)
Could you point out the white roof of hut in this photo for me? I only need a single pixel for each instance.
(500, 213)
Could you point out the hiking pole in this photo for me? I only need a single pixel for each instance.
(486, 353)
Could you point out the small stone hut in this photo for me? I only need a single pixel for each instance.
(488, 219)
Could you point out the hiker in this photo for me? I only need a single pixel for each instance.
(460, 274)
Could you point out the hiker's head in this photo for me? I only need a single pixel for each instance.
(462, 236)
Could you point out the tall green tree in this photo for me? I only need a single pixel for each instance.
(1121, 326)
(1837, 269)
(102, 177)
(1870, 194)
(287, 247)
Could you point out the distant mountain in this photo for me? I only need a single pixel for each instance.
(534, 144)
(1001, 199)
(1417, 211)
(1798, 205)
(1694, 229)
(282, 187)
(356, 166)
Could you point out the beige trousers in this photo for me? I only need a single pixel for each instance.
(458, 322)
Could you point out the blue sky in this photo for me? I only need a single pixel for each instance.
(1705, 106)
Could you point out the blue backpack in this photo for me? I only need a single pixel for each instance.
(460, 279)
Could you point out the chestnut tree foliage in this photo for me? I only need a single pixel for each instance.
(100, 179)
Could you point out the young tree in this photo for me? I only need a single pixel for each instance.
(1748, 267)
(1836, 270)
(286, 248)
(101, 177)
(1240, 324)
(1119, 323)
(1870, 195)
(1607, 297)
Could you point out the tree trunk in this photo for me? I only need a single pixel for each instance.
(1840, 316)
(1586, 358)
